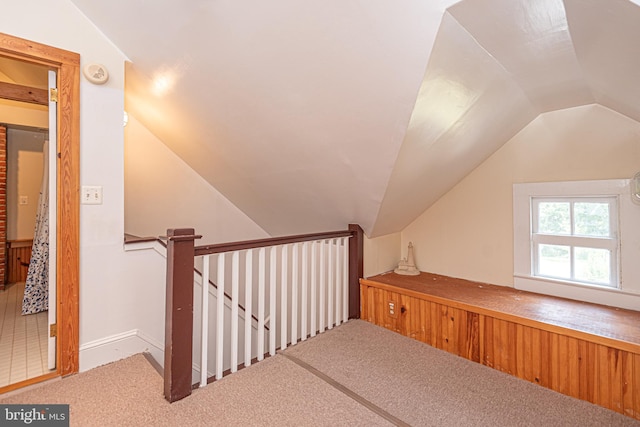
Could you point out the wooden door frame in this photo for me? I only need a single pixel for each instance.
(67, 66)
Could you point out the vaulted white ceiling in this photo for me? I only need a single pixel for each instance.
(311, 115)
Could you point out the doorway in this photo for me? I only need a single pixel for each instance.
(25, 347)
(66, 155)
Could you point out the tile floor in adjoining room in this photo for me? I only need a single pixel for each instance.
(23, 339)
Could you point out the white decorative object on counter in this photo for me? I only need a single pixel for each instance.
(407, 266)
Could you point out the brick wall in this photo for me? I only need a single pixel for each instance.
(3, 204)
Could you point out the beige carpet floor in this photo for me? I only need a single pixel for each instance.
(354, 375)
(425, 386)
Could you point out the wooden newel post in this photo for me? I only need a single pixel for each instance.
(178, 330)
(356, 269)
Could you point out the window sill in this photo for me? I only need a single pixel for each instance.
(591, 293)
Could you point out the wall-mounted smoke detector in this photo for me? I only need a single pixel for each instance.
(96, 73)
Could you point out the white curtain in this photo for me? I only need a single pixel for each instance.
(36, 290)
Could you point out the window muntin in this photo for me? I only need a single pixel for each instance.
(575, 239)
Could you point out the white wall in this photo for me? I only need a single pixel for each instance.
(468, 233)
(105, 293)
(24, 179)
(381, 254)
(20, 113)
(119, 296)
(163, 192)
(140, 326)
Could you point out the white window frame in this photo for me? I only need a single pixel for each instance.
(627, 292)
(573, 240)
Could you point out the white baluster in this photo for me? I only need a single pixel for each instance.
(248, 309)
(338, 280)
(323, 280)
(272, 300)
(204, 322)
(235, 284)
(303, 291)
(294, 295)
(314, 271)
(330, 286)
(284, 274)
(220, 317)
(261, 282)
(345, 279)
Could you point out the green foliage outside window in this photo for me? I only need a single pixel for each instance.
(554, 218)
(591, 219)
(584, 219)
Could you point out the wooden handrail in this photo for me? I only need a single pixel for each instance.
(272, 241)
(130, 238)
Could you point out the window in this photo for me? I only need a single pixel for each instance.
(579, 240)
(575, 239)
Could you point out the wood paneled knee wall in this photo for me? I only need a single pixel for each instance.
(18, 257)
(602, 374)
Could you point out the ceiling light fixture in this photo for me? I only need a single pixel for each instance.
(163, 82)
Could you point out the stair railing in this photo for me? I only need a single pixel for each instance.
(300, 285)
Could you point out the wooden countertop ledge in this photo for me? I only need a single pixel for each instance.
(615, 327)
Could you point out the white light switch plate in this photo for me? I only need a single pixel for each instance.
(91, 195)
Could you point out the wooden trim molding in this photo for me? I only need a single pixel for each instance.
(3, 208)
(20, 93)
(67, 65)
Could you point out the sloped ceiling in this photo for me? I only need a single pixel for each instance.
(311, 115)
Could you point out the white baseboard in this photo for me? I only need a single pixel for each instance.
(118, 346)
